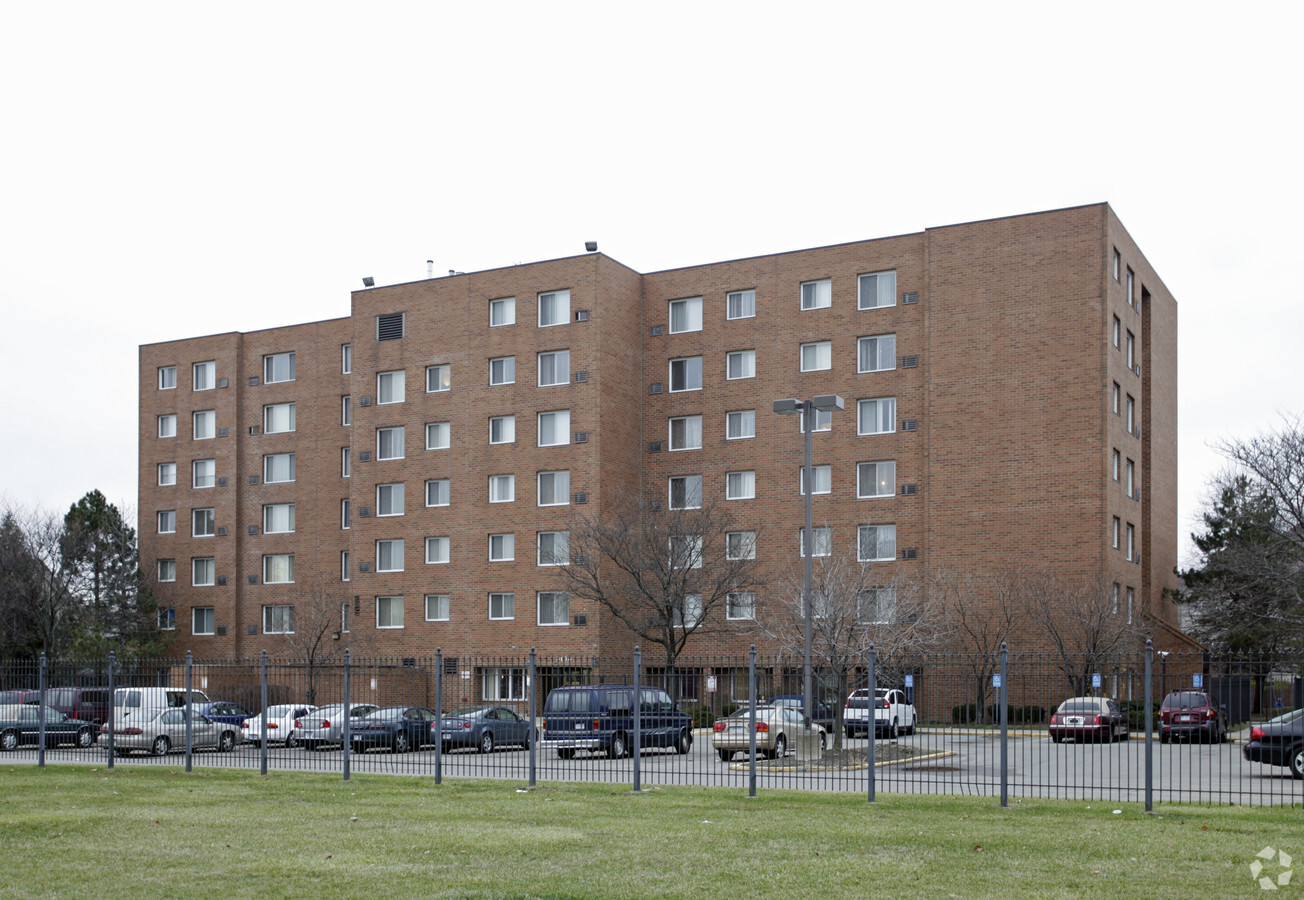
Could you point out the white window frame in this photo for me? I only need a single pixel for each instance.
(880, 413)
(208, 431)
(504, 310)
(202, 620)
(203, 376)
(270, 462)
(689, 311)
(1117, 463)
(397, 441)
(164, 519)
(502, 429)
(502, 546)
(740, 545)
(880, 543)
(167, 474)
(203, 473)
(682, 380)
(167, 425)
(816, 356)
(817, 294)
(502, 370)
(442, 486)
(441, 606)
(276, 365)
(1116, 533)
(740, 485)
(559, 608)
(887, 290)
(503, 684)
(386, 607)
(506, 601)
(437, 430)
(346, 410)
(439, 378)
(1131, 478)
(390, 496)
(209, 521)
(346, 463)
(876, 606)
(167, 378)
(166, 571)
(556, 476)
(502, 488)
(746, 304)
(884, 353)
(209, 564)
(282, 561)
(346, 514)
(556, 417)
(279, 418)
(556, 539)
(1117, 333)
(439, 550)
(689, 481)
(557, 368)
(345, 574)
(1131, 542)
(688, 438)
(395, 548)
(557, 306)
(346, 359)
(278, 518)
(823, 480)
(690, 614)
(821, 540)
(877, 481)
(391, 387)
(740, 606)
(740, 425)
(739, 364)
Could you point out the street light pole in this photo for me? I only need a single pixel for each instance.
(808, 410)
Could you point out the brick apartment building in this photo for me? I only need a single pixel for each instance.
(1010, 385)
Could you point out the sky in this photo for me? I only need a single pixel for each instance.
(169, 170)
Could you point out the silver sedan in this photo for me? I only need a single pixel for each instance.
(161, 730)
(326, 724)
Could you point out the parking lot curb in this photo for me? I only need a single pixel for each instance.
(742, 766)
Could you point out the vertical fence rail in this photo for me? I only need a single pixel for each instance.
(40, 714)
(1003, 705)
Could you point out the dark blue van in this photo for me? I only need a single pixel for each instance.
(599, 718)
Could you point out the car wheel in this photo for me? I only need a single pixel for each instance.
(226, 743)
(685, 742)
(487, 742)
(401, 742)
(725, 755)
(1057, 738)
(850, 733)
(617, 748)
(9, 740)
(780, 748)
(894, 730)
(291, 741)
(1297, 761)
(565, 753)
(161, 745)
(1163, 739)
(85, 737)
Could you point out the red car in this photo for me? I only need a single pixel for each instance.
(1192, 714)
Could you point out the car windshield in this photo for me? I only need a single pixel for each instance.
(393, 713)
(279, 711)
(469, 712)
(1185, 701)
(1079, 706)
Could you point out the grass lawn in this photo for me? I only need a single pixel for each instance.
(80, 831)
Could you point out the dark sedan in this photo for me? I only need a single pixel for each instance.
(21, 725)
(1279, 742)
(400, 728)
(483, 728)
(1089, 719)
(224, 711)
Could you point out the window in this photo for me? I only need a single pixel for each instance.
(437, 492)
(686, 433)
(203, 473)
(740, 486)
(1114, 606)
(876, 416)
(1114, 533)
(502, 370)
(876, 290)
(1131, 478)
(817, 294)
(389, 612)
(823, 421)
(346, 410)
(345, 575)
(1131, 349)
(686, 374)
(278, 367)
(554, 548)
(346, 466)
(346, 358)
(502, 488)
(1131, 413)
(686, 492)
(876, 543)
(554, 368)
(688, 612)
(437, 551)
(205, 425)
(167, 426)
(1117, 458)
(1131, 541)
(344, 617)
(389, 499)
(554, 428)
(278, 467)
(504, 684)
(167, 618)
(502, 312)
(167, 521)
(278, 568)
(686, 315)
(278, 418)
(817, 356)
(167, 378)
(278, 518)
(554, 608)
(203, 523)
(203, 571)
(554, 308)
(554, 488)
(1118, 330)
(1118, 392)
(1131, 599)
(502, 547)
(204, 376)
(437, 604)
(389, 556)
(740, 605)
(346, 513)
(876, 606)
(502, 430)
(878, 353)
(502, 606)
(823, 478)
(1131, 288)
(390, 443)
(167, 570)
(438, 435)
(740, 364)
(1118, 262)
(875, 479)
(202, 620)
(438, 378)
(740, 545)
(740, 424)
(167, 474)
(740, 304)
(391, 387)
(821, 541)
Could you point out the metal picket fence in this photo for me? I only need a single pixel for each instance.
(977, 725)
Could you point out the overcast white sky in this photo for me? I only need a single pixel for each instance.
(175, 169)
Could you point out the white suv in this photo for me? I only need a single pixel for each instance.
(893, 714)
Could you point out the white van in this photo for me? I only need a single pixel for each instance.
(127, 701)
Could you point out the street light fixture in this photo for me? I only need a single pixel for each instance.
(808, 408)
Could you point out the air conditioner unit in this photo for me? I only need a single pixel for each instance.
(364, 401)
(581, 377)
(581, 437)
(910, 297)
(253, 381)
(581, 315)
(656, 330)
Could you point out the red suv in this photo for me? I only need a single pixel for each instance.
(1192, 714)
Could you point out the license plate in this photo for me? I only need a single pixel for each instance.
(581, 727)
(736, 729)
(1073, 720)
(1184, 718)
(447, 735)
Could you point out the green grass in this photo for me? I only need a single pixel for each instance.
(158, 832)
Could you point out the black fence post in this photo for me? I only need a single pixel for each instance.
(751, 737)
(190, 733)
(532, 740)
(439, 714)
(1150, 724)
(346, 733)
(113, 689)
(871, 676)
(638, 717)
(40, 716)
(1002, 694)
(262, 717)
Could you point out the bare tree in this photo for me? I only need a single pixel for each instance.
(1085, 623)
(48, 578)
(854, 605)
(982, 610)
(321, 631)
(666, 574)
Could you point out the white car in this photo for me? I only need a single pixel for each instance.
(280, 724)
(892, 713)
